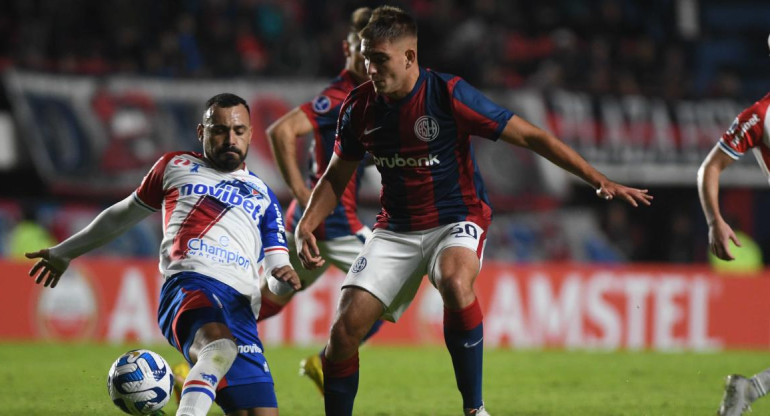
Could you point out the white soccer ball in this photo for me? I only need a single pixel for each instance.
(140, 382)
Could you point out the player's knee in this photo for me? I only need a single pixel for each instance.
(454, 285)
(221, 353)
(346, 336)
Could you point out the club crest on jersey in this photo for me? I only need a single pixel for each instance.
(426, 128)
(322, 104)
(359, 265)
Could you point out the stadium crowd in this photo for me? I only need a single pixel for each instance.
(672, 49)
(666, 48)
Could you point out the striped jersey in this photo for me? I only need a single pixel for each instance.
(323, 112)
(750, 130)
(421, 147)
(219, 224)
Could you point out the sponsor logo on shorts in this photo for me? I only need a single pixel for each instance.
(249, 349)
(359, 265)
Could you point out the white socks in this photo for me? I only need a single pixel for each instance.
(760, 381)
(200, 385)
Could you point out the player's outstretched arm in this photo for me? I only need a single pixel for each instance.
(520, 132)
(720, 232)
(109, 224)
(323, 199)
(282, 135)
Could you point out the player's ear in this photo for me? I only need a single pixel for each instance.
(411, 57)
(200, 132)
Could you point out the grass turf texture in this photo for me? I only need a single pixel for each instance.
(70, 379)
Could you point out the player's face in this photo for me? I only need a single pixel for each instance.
(386, 65)
(353, 52)
(225, 135)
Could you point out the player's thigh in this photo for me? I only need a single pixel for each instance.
(248, 399)
(457, 252)
(188, 302)
(390, 267)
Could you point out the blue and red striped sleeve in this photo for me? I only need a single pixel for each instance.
(474, 113)
(347, 145)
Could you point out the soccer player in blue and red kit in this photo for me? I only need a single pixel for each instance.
(416, 124)
(222, 228)
(341, 235)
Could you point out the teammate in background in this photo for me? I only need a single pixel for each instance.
(222, 225)
(417, 124)
(748, 131)
(341, 235)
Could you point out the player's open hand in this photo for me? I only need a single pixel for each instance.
(307, 249)
(720, 235)
(50, 267)
(611, 190)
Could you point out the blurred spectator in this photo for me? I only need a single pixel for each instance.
(28, 234)
(748, 257)
(599, 46)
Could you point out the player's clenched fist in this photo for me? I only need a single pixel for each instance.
(307, 249)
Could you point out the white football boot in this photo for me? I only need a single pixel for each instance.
(481, 411)
(740, 392)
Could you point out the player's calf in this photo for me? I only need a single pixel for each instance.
(199, 388)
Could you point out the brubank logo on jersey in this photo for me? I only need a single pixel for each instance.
(234, 193)
(396, 161)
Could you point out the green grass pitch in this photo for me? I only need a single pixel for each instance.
(70, 379)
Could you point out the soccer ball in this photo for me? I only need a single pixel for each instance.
(140, 382)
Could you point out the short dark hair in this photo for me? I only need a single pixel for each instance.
(227, 100)
(358, 19)
(389, 23)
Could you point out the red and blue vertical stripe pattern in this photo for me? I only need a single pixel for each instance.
(421, 146)
(323, 112)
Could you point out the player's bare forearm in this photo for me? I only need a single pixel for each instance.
(282, 136)
(521, 133)
(322, 201)
(328, 190)
(109, 224)
(708, 183)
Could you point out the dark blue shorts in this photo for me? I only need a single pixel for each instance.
(189, 300)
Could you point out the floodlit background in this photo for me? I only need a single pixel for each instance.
(92, 92)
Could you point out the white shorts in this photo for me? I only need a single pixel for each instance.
(341, 252)
(392, 264)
